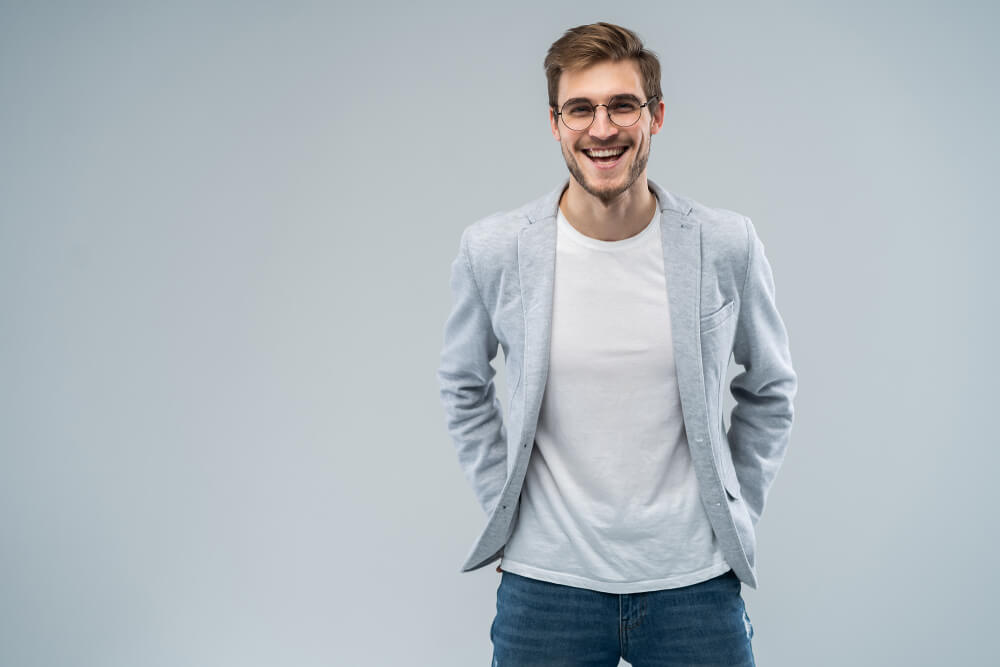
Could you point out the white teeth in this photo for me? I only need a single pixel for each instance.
(605, 152)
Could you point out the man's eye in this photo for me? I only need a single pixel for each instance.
(581, 109)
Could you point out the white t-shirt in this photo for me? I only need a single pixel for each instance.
(610, 500)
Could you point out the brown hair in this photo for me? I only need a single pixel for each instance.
(590, 44)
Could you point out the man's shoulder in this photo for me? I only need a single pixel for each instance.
(495, 235)
(724, 238)
(497, 226)
(721, 228)
(508, 221)
(724, 232)
(492, 240)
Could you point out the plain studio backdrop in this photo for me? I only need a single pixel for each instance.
(225, 241)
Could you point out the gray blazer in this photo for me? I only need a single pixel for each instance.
(721, 296)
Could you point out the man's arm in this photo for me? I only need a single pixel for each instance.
(473, 413)
(762, 419)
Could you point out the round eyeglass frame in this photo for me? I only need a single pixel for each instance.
(607, 110)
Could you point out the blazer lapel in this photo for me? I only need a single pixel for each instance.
(536, 260)
(681, 239)
(536, 253)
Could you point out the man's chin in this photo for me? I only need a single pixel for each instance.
(605, 188)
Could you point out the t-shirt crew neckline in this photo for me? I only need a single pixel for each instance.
(611, 246)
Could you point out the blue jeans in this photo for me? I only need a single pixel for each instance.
(542, 623)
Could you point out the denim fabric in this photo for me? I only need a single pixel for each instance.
(542, 623)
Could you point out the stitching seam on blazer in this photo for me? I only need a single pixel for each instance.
(475, 283)
(750, 241)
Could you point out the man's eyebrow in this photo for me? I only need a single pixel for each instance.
(584, 99)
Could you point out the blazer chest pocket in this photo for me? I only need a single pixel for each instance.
(719, 317)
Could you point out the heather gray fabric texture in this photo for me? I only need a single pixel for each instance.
(722, 306)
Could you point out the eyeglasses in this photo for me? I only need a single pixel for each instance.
(623, 111)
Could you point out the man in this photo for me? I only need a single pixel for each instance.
(623, 512)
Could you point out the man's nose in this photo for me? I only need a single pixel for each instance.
(602, 125)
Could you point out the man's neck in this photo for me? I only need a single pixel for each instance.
(616, 220)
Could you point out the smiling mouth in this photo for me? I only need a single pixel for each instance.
(605, 156)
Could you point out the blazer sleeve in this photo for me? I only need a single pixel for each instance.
(474, 416)
(761, 421)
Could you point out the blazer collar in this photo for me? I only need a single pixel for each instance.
(548, 205)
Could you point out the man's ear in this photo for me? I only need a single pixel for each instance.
(656, 120)
(554, 124)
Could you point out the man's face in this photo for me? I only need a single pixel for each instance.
(599, 83)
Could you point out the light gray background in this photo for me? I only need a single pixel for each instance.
(224, 250)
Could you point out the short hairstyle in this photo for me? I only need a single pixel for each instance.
(587, 45)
